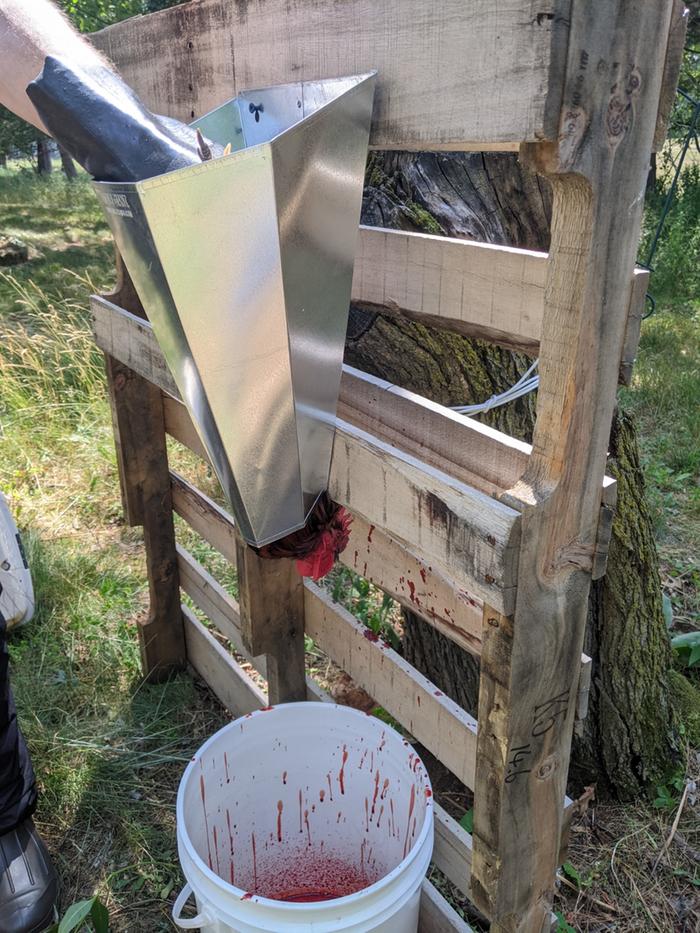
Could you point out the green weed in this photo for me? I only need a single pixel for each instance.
(373, 608)
(675, 264)
(78, 915)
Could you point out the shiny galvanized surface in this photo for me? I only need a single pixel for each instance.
(244, 266)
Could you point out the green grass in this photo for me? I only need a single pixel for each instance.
(108, 748)
(665, 394)
(664, 399)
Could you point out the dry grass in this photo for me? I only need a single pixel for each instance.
(622, 876)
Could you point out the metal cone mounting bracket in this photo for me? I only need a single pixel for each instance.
(244, 266)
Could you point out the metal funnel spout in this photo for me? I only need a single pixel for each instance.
(244, 266)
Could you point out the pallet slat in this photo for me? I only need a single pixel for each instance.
(212, 599)
(472, 452)
(203, 515)
(494, 293)
(419, 587)
(436, 915)
(435, 720)
(453, 850)
(476, 289)
(370, 552)
(222, 673)
(441, 64)
(222, 610)
(470, 536)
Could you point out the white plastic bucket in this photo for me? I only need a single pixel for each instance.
(298, 802)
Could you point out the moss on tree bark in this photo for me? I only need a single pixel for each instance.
(628, 739)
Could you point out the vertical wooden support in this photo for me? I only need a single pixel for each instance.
(672, 69)
(527, 700)
(139, 431)
(137, 411)
(271, 599)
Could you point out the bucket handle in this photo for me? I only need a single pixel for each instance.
(194, 923)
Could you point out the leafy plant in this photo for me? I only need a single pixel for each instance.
(667, 794)
(667, 609)
(90, 914)
(574, 875)
(687, 646)
(562, 926)
(467, 821)
(367, 603)
(386, 717)
(692, 879)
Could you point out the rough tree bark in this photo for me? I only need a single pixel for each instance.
(43, 157)
(67, 164)
(628, 738)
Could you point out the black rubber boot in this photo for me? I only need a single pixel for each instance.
(28, 882)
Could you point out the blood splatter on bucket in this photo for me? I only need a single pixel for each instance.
(306, 813)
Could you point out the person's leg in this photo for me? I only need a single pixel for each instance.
(28, 884)
(17, 783)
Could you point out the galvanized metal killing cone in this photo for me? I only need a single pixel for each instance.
(244, 266)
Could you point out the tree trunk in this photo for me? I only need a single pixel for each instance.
(67, 164)
(43, 157)
(628, 738)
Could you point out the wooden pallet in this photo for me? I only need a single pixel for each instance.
(487, 539)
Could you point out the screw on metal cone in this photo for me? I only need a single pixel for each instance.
(244, 266)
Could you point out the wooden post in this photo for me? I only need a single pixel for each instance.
(139, 431)
(527, 697)
(271, 599)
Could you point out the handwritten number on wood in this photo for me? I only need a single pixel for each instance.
(546, 714)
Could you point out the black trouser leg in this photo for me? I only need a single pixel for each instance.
(17, 782)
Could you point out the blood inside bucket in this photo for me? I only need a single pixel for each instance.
(314, 878)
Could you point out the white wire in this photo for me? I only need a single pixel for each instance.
(526, 384)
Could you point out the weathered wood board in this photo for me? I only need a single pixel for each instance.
(222, 673)
(434, 719)
(452, 75)
(495, 293)
(528, 697)
(467, 535)
(370, 552)
(480, 290)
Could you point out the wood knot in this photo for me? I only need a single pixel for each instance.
(618, 118)
(547, 768)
